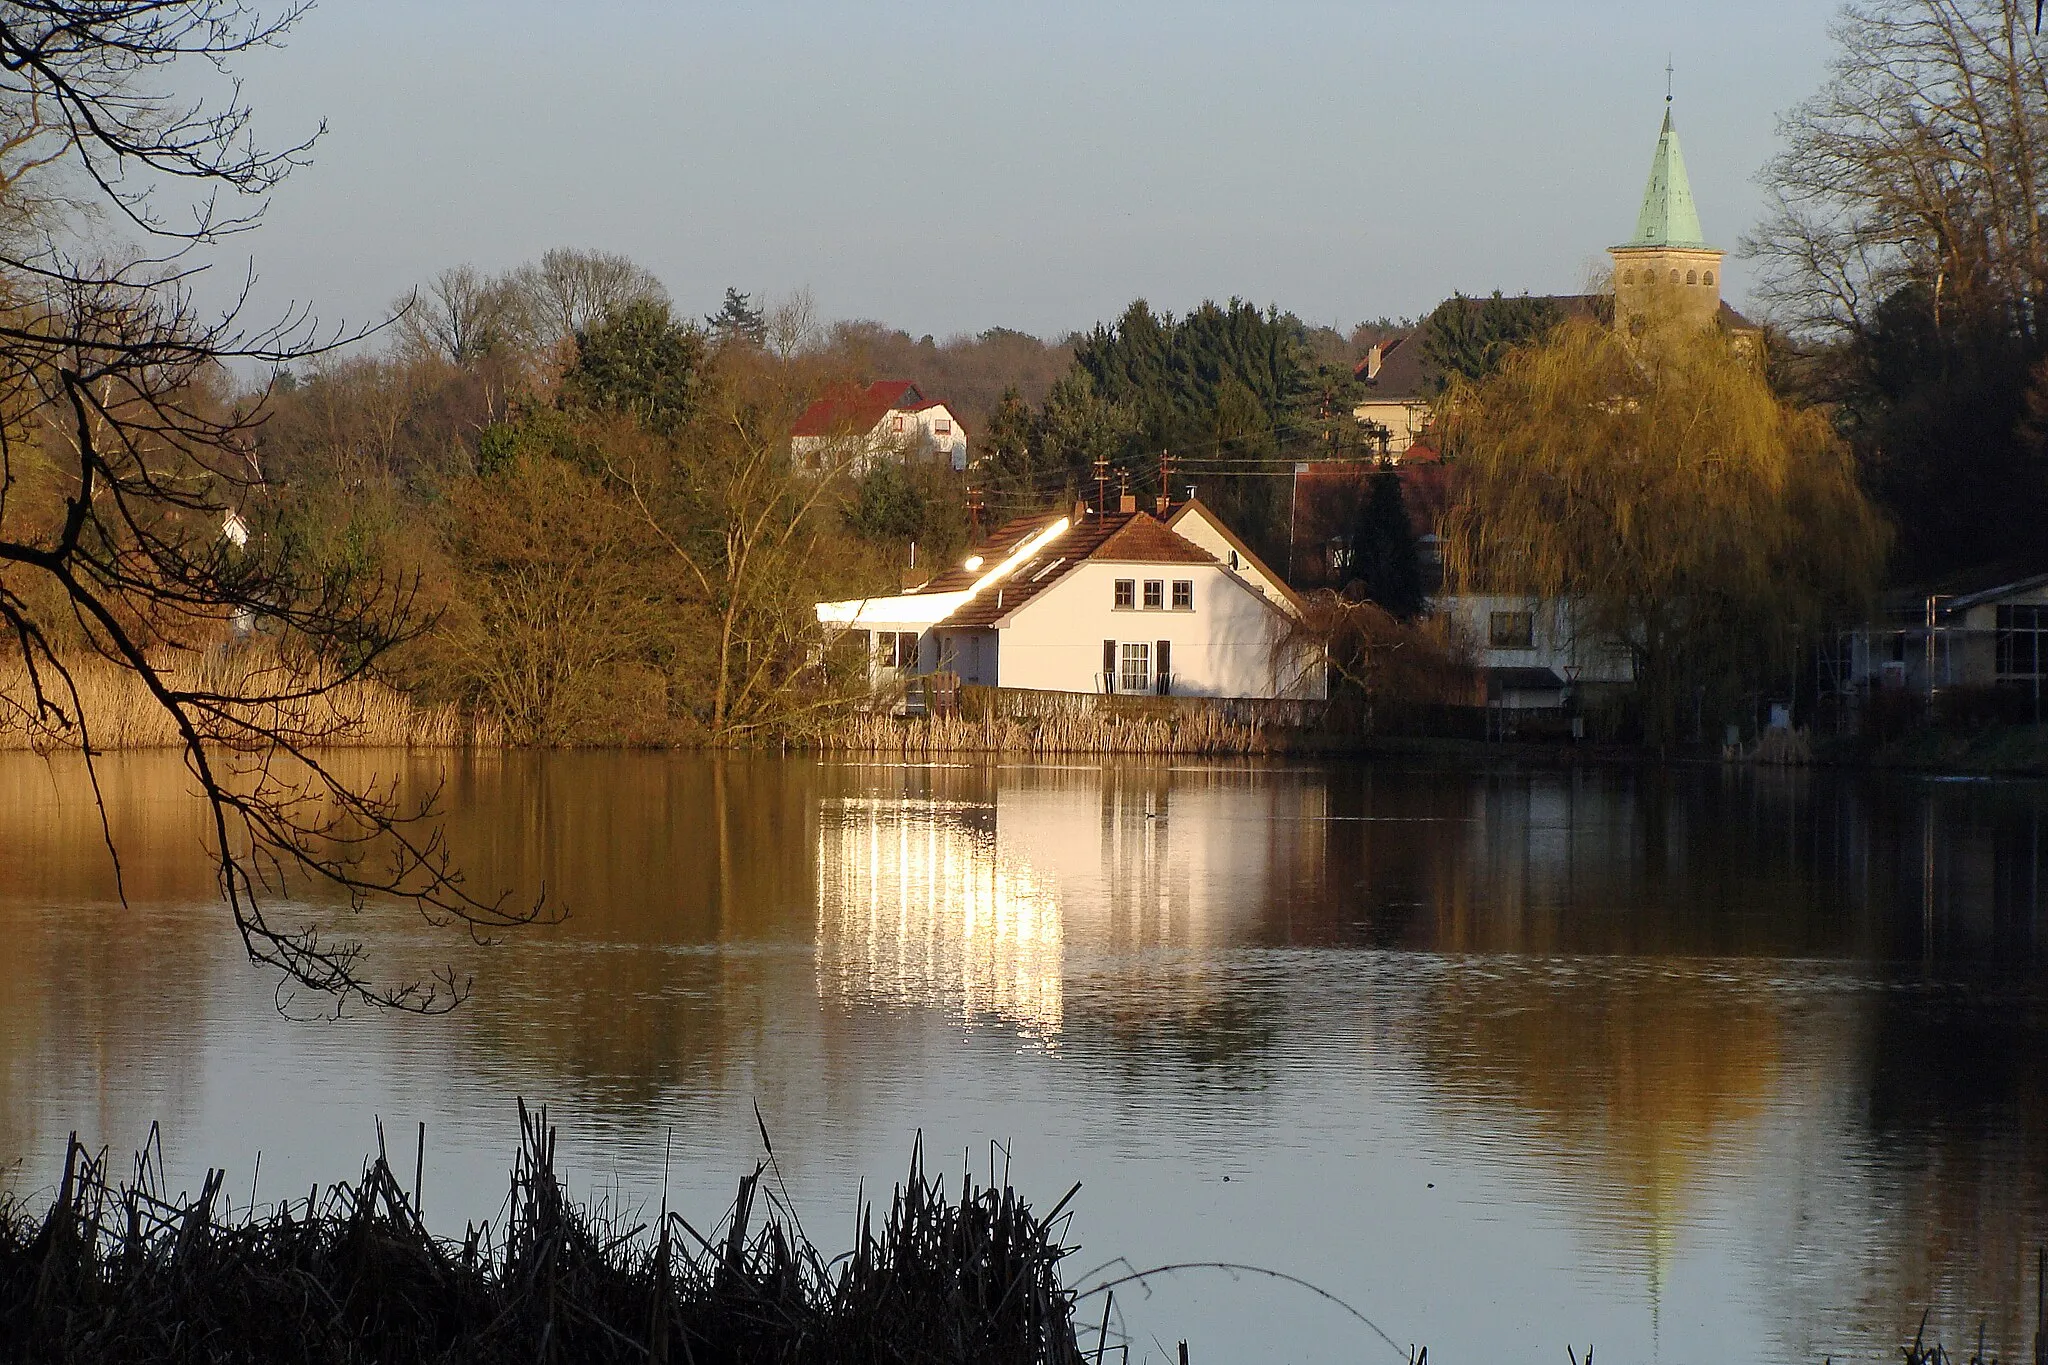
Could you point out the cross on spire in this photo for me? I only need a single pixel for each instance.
(1667, 78)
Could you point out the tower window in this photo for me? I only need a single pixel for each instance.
(1628, 277)
(1692, 277)
(1674, 277)
(1708, 278)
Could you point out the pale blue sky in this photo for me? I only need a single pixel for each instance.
(1038, 165)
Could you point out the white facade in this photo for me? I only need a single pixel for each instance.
(1178, 624)
(1197, 525)
(1513, 632)
(928, 431)
(1227, 641)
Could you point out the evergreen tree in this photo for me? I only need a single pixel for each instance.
(638, 361)
(1007, 446)
(738, 320)
(1383, 553)
(1467, 338)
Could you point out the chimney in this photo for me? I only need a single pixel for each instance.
(1080, 511)
(914, 577)
(1373, 357)
(1163, 505)
(1127, 504)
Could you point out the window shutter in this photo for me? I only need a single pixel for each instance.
(1109, 665)
(1163, 668)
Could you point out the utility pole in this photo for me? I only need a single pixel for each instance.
(1101, 486)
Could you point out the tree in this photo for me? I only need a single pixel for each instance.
(1905, 248)
(639, 362)
(569, 291)
(1467, 338)
(738, 321)
(462, 316)
(1383, 554)
(1009, 468)
(135, 525)
(1686, 514)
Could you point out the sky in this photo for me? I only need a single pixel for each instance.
(951, 168)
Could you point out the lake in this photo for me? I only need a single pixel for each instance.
(1685, 1063)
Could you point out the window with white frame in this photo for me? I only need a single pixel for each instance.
(1183, 594)
(942, 427)
(1155, 594)
(1135, 674)
(1126, 593)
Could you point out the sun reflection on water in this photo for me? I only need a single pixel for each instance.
(917, 906)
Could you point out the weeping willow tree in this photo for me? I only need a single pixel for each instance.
(1692, 519)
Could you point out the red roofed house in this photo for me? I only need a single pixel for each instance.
(859, 426)
(1095, 602)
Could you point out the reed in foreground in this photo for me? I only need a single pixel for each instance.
(118, 1273)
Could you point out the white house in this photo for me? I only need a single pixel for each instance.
(1531, 649)
(890, 417)
(1096, 602)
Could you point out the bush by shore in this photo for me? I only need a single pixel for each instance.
(120, 1274)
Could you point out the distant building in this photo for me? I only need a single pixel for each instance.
(887, 419)
(1666, 266)
(1988, 635)
(1081, 601)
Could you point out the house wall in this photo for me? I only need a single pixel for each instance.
(1224, 647)
(1198, 530)
(1556, 643)
(1403, 418)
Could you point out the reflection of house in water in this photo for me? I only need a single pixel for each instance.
(968, 900)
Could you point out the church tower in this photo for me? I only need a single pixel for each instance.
(1667, 270)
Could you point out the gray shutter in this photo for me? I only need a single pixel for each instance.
(1163, 667)
(1109, 665)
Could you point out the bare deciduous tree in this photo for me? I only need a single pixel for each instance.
(1923, 161)
(134, 521)
(568, 290)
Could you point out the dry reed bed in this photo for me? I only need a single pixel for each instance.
(121, 713)
(1184, 731)
(122, 1275)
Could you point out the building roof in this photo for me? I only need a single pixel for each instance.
(1245, 553)
(1116, 538)
(1668, 217)
(855, 410)
(1406, 376)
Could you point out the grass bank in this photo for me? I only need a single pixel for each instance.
(121, 713)
(2004, 750)
(118, 1274)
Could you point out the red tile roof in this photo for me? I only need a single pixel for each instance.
(853, 411)
(1118, 538)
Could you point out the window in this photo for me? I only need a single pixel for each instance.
(899, 424)
(1692, 277)
(1511, 630)
(1183, 594)
(2022, 652)
(1628, 277)
(1162, 674)
(943, 427)
(1126, 594)
(1155, 594)
(1674, 277)
(1136, 673)
(899, 648)
(1707, 278)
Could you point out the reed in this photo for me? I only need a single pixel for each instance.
(1047, 723)
(120, 712)
(118, 1274)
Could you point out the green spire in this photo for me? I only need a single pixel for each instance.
(1668, 217)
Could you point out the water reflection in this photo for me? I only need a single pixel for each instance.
(1689, 1060)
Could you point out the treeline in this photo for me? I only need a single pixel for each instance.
(595, 500)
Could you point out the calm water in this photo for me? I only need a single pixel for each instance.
(1688, 1065)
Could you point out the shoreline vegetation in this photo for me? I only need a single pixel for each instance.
(123, 1273)
(368, 713)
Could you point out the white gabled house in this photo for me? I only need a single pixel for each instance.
(888, 418)
(1102, 603)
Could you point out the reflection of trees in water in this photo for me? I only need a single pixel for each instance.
(1621, 1088)
(99, 1001)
